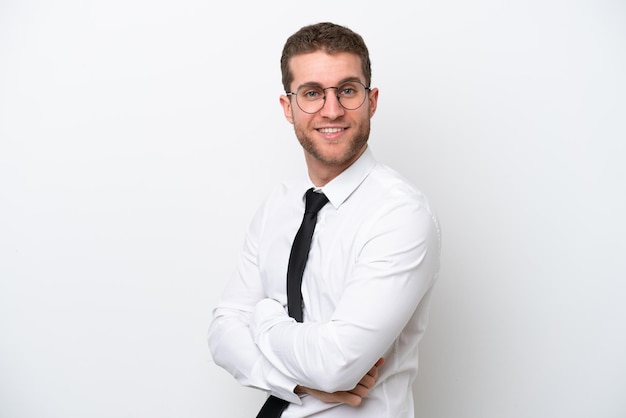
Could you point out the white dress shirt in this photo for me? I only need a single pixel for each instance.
(366, 287)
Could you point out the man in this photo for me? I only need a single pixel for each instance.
(371, 266)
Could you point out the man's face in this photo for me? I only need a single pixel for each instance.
(334, 137)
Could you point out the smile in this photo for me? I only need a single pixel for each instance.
(330, 130)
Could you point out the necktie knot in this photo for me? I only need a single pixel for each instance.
(314, 201)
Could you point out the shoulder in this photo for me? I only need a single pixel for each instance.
(285, 191)
(392, 199)
(391, 186)
(281, 197)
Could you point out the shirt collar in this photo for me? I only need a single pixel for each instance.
(342, 186)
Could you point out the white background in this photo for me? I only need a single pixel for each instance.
(138, 137)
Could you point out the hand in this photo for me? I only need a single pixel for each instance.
(351, 397)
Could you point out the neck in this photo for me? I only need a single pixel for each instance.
(321, 173)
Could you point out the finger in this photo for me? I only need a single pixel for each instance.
(374, 369)
(351, 398)
(368, 381)
(373, 372)
(360, 391)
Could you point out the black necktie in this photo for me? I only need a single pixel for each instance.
(274, 407)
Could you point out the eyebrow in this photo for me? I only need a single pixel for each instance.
(343, 81)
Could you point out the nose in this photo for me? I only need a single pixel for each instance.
(332, 108)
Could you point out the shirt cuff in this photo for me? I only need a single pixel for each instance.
(281, 386)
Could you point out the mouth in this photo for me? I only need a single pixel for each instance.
(330, 130)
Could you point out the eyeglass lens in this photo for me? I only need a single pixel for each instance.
(311, 99)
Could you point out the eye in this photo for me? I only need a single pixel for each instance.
(311, 93)
(347, 90)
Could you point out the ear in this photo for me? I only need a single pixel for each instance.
(373, 99)
(285, 102)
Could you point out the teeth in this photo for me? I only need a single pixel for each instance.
(330, 130)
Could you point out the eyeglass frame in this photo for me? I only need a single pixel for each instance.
(295, 94)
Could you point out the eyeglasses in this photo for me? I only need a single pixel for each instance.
(311, 99)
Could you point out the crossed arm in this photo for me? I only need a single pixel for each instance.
(234, 350)
(254, 339)
(351, 397)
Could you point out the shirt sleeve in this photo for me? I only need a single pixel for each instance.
(230, 341)
(395, 266)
